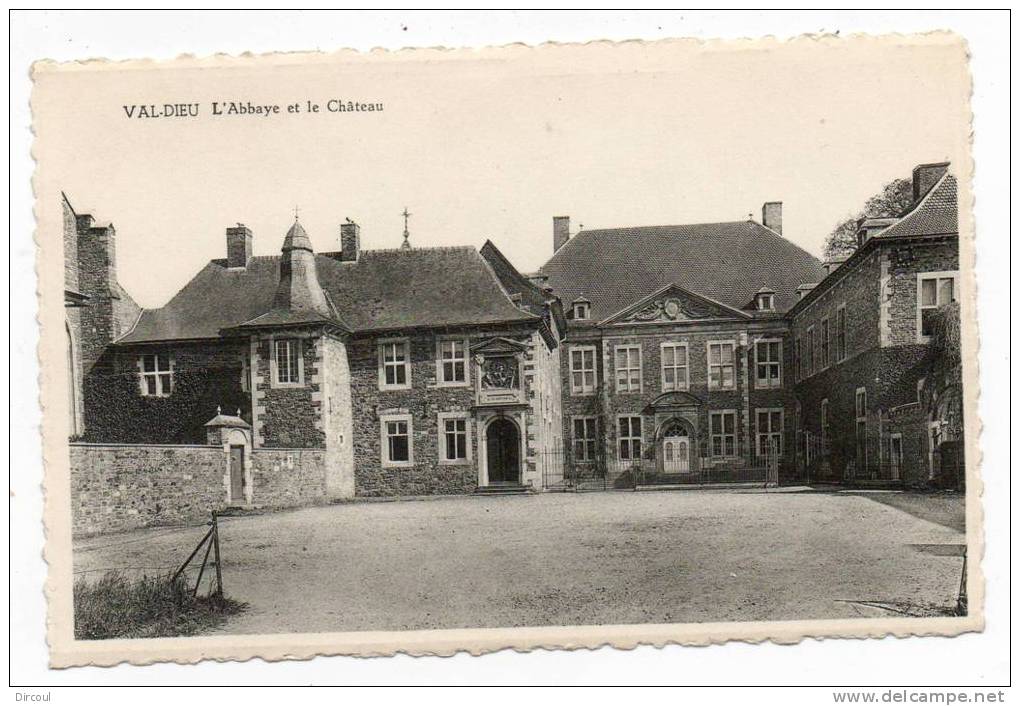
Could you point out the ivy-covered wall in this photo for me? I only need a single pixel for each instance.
(205, 376)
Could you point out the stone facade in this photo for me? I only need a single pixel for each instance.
(607, 403)
(426, 398)
(289, 416)
(879, 290)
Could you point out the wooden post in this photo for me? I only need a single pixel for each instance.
(201, 571)
(191, 556)
(216, 551)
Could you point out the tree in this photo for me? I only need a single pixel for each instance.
(894, 199)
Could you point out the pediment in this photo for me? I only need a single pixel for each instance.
(498, 346)
(674, 304)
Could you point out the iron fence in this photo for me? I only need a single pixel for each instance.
(565, 471)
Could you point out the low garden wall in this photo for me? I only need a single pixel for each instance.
(117, 487)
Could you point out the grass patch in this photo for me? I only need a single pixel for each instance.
(150, 606)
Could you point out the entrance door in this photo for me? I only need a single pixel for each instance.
(895, 456)
(237, 474)
(503, 452)
(676, 452)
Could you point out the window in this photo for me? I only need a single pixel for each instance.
(582, 370)
(768, 356)
(454, 446)
(245, 374)
(723, 433)
(841, 343)
(582, 310)
(452, 362)
(766, 302)
(797, 371)
(628, 368)
(394, 365)
(934, 289)
(721, 365)
(157, 374)
(770, 431)
(809, 352)
(288, 361)
(585, 439)
(674, 367)
(824, 420)
(861, 427)
(629, 429)
(397, 444)
(823, 348)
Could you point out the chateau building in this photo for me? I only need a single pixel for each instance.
(677, 357)
(863, 336)
(715, 351)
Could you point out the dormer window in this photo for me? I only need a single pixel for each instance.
(765, 299)
(582, 309)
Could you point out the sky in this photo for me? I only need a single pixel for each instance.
(491, 144)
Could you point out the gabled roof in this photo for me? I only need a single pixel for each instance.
(532, 297)
(727, 262)
(383, 290)
(934, 214)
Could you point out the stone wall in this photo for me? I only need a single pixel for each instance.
(902, 264)
(205, 376)
(339, 424)
(288, 477)
(121, 487)
(289, 416)
(126, 486)
(884, 356)
(545, 426)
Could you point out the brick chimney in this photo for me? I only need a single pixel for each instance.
(925, 176)
(561, 231)
(350, 241)
(239, 242)
(772, 215)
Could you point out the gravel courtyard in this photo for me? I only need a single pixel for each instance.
(556, 559)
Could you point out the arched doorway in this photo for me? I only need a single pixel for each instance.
(675, 448)
(503, 452)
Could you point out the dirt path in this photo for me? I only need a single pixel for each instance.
(688, 556)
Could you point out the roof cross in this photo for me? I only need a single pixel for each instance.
(406, 244)
(297, 210)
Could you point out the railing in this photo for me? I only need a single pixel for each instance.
(565, 471)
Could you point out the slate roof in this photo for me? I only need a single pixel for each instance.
(728, 262)
(934, 214)
(383, 290)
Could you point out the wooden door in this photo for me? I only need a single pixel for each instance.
(237, 474)
(502, 449)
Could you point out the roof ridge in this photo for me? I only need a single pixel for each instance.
(666, 225)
